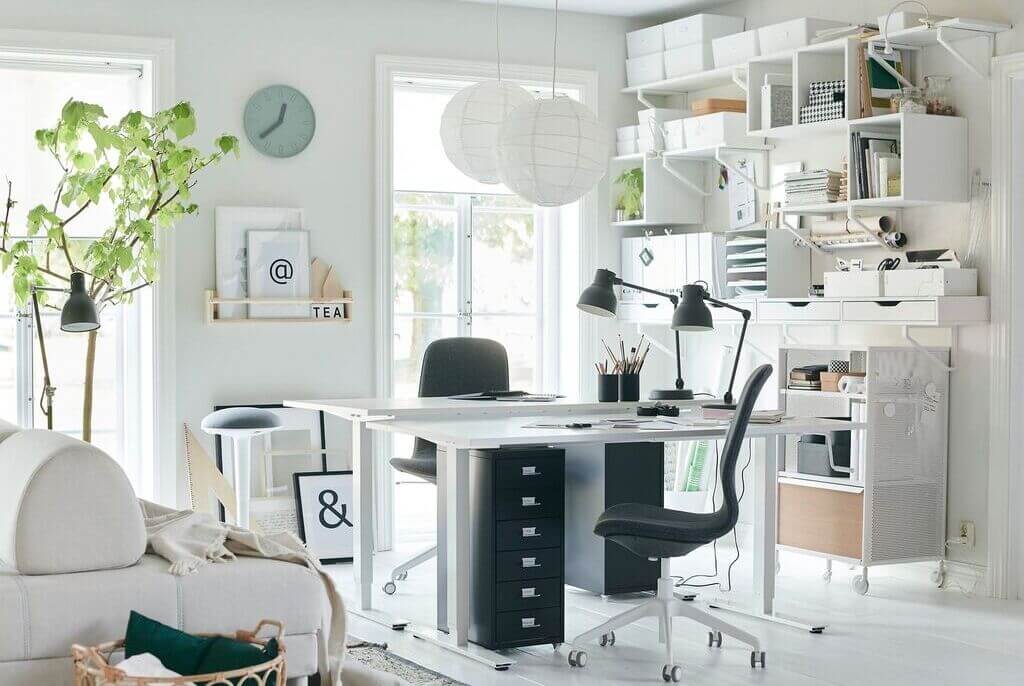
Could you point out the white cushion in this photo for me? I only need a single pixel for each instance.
(65, 506)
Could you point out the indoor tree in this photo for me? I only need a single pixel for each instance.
(142, 170)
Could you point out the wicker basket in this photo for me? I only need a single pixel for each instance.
(92, 665)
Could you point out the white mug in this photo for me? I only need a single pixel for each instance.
(851, 385)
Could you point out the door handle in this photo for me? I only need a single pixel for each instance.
(529, 592)
(530, 471)
(530, 563)
(530, 532)
(529, 623)
(530, 501)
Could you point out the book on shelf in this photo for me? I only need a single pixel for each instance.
(866, 145)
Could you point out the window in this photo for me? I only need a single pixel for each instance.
(34, 90)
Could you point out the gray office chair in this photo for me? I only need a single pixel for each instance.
(451, 366)
(660, 534)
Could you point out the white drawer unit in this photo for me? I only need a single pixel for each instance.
(688, 60)
(645, 69)
(825, 311)
(700, 28)
(890, 311)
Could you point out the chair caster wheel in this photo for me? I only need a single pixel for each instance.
(390, 588)
(403, 576)
(672, 673)
(577, 658)
(556, 646)
(607, 639)
(756, 659)
(860, 584)
(714, 639)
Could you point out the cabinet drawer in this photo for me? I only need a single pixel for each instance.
(524, 595)
(542, 470)
(822, 520)
(519, 534)
(528, 503)
(529, 564)
(529, 625)
(798, 311)
(889, 310)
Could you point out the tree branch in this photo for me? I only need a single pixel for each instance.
(124, 292)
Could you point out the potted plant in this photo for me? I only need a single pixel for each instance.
(631, 199)
(140, 168)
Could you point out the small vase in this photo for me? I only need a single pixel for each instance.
(620, 215)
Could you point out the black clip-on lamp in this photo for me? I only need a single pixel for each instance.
(77, 316)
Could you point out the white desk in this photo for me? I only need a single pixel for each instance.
(364, 412)
(456, 437)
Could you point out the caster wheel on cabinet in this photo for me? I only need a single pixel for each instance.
(756, 659)
(672, 673)
(390, 588)
(860, 585)
(607, 639)
(577, 658)
(714, 639)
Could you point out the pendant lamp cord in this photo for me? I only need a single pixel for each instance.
(497, 34)
(554, 52)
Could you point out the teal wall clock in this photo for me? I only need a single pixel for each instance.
(279, 121)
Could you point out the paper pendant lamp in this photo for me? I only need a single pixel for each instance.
(470, 123)
(551, 151)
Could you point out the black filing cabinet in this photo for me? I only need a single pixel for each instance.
(517, 514)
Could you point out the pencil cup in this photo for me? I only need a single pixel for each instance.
(629, 387)
(607, 388)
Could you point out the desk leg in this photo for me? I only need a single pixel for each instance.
(362, 537)
(766, 494)
(442, 541)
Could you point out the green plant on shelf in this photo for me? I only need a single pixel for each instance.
(631, 200)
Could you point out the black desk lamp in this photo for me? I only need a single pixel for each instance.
(693, 315)
(599, 298)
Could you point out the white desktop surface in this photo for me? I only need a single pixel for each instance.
(351, 408)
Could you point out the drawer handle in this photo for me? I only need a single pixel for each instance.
(798, 304)
(530, 563)
(530, 592)
(888, 303)
(530, 623)
(530, 501)
(530, 532)
(530, 471)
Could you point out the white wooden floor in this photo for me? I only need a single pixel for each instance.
(903, 632)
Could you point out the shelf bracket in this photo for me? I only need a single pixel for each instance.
(783, 224)
(642, 98)
(740, 79)
(928, 353)
(879, 58)
(683, 180)
(979, 70)
(743, 175)
(867, 229)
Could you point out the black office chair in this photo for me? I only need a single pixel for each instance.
(660, 534)
(451, 366)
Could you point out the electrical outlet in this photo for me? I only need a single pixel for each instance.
(967, 533)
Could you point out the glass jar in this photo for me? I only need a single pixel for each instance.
(909, 100)
(936, 95)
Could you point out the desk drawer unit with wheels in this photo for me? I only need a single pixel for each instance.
(517, 557)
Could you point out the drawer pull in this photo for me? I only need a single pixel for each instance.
(530, 592)
(529, 623)
(530, 563)
(530, 532)
(530, 501)
(530, 471)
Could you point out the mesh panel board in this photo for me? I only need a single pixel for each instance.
(907, 521)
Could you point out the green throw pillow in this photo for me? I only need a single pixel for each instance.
(227, 654)
(178, 651)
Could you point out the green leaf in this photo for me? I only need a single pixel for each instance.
(83, 161)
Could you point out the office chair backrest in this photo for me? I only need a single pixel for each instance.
(729, 512)
(456, 366)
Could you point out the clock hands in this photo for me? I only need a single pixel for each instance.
(280, 120)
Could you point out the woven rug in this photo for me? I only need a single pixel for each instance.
(375, 656)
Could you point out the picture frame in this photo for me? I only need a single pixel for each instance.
(299, 445)
(326, 518)
(278, 267)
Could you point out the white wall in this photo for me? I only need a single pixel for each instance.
(225, 50)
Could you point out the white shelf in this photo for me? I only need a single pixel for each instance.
(719, 76)
(330, 307)
(709, 153)
(822, 394)
(631, 157)
(817, 481)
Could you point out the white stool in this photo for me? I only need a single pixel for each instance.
(241, 424)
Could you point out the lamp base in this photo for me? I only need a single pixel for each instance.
(720, 406)
(672, 394)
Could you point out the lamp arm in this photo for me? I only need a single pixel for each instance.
(736, 362)
(673, 298)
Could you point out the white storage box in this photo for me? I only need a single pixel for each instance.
(646, 69)
(688, 59)
(627, 133)
(674, 138)
(652, 124)
(864, 284)
(646, 144)
(700, 28)
(647, 41)
(720, 128)
(627, 147)
(735, 49)
(792, 34)
(941, 281)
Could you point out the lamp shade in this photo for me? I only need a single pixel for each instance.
(692, 314)
(470, 123)
(79, 312)
(599, 297)
(551, 151)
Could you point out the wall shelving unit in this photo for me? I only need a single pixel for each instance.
(327, 307)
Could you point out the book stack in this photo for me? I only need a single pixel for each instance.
(844, 183)
(812, 187)
(826, 100)
(807, 378)
(875, 165)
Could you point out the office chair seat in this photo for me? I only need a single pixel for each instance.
(655, 532)
(423, 463)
